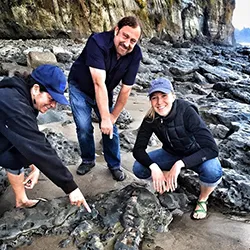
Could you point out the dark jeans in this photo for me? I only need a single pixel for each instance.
(82, 106)
(210, 171)
(13, 161)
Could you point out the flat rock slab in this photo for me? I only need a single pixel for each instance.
(119, 219)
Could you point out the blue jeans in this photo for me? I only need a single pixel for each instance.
(82, 106)
(210, 171)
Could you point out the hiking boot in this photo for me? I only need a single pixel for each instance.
(84, 168)
(118, 174)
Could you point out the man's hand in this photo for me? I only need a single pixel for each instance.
(32, 178)
(172, 175)
(101, 94)
(158, 178)
(107, 127)
(76, 198)
(113, 118)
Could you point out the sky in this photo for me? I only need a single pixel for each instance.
(241, 15)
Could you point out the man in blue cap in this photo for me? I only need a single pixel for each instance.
(107, 59)
(22, 97)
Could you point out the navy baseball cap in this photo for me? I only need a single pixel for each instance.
(162, 85)
(53, 79)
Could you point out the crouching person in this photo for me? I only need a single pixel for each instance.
(186, 143)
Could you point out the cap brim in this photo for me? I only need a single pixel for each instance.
(165, 91)
(58, 97)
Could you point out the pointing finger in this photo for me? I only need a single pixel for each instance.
(111, 136)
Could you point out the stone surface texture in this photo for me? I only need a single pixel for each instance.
(171, 19)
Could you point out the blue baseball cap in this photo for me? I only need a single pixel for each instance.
(162, 85)
(53, 79)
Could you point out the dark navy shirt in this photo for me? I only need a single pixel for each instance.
(100, 53)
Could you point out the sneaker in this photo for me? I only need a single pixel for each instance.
(84, 168)
(118, 174)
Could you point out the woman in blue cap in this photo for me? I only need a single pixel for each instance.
(21, 142)
(186, 143)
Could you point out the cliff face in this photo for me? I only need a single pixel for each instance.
(170, 19)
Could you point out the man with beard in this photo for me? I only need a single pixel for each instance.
(108, 58)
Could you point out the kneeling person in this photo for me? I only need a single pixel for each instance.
(186, 142)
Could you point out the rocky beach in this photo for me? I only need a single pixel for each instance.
(129, 215)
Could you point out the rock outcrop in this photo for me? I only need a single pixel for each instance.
(120, 219)
(171, 20)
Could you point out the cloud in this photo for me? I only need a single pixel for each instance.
(241, 14)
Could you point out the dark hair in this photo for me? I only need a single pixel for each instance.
(30, 81)
(130, 21)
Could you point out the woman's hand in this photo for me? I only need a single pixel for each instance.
(32, 178)
(76, 198)
(172, 175)
(158, 178)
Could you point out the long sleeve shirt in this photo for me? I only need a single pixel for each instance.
(19, 129)
(182, 133)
